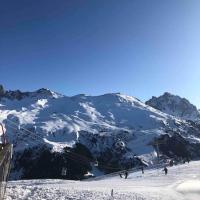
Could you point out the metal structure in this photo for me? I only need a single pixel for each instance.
(3, 135)
(6, 151)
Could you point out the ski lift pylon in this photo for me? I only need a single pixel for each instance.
(64, 171)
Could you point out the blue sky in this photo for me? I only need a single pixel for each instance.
(137, 47)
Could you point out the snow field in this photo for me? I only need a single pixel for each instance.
(181, 183)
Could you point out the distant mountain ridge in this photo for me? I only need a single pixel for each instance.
(176, 106)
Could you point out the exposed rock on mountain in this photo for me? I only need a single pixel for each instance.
(176, 106)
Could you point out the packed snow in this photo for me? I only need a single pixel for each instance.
(181, 183)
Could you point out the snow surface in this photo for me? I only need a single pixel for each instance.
(181, 183)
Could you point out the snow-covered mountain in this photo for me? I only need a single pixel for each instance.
(116, 129)
(176, 106)
(61, 119)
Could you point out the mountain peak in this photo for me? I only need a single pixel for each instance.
(175, 105)
(168, 94)
(44, 91)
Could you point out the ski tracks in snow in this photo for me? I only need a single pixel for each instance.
(48, 192)
(181, 183)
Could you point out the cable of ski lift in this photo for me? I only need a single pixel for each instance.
(76, 160)
(22, 128)
(95, 163)
(74, 156)
(33, 135)
(28, 134)
(34, 141)
(23, 139)
(69, 156)
(22, 132)
(78, 157)
(17, 131)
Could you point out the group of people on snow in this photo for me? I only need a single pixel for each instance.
(125, 173)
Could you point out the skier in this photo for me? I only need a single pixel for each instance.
(171, 163)
(142, 168)
(165, 170)
(188, 160)
(126, 174)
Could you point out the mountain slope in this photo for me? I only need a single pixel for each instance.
(113, 127)
(61, 118)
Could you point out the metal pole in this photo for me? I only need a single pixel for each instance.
(3, 136)
(157, 152)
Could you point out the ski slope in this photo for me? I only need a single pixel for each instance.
(181, 183)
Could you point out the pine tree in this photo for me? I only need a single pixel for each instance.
(1, 90)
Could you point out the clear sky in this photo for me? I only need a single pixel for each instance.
(137, 47)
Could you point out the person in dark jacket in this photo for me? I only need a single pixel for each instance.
(142, 168)
(165, 170)
(126, 174)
